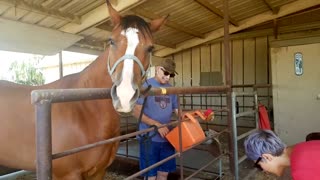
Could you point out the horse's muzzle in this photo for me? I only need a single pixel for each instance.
(123, 101)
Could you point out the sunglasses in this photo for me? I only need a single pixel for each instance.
(166, 73)
(257, 165)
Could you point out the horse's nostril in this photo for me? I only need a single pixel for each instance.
(134, 98)
(113, 92)
(136, 95)
(115, 98)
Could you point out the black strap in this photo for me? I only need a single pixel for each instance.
(146, 138)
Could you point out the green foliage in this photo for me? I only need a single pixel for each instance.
(27, 72)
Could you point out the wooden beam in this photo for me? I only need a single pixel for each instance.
(47, 3)
(274, 10)
(249, 22)
(173, 25)
(295, 31)
(275, 28)
(294, 42)
(75, 48)
(91, 44)
(29, 38)
(163, 43)
(68, 5)
(105, 26)
(216, 11)
(23, 5)
(98, 15)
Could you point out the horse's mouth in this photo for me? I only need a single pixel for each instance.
(124, 108)
(125, 114)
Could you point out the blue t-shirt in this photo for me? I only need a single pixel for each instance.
(158, 108)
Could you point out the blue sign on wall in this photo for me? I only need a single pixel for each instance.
(298, 63)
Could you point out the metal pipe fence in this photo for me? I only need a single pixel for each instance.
(43, 99)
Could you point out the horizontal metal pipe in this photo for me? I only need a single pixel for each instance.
(245, 113)
(242, 158)
(67, 95)
(251, 85)
(111, 140)
(14, 175)
(203, 167)
(244, 93)
(187, 90)
(245, 134)
(153, 166)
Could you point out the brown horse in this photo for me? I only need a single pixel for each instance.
(122, 66)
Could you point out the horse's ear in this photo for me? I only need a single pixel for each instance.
(114, 15)
(156, 23)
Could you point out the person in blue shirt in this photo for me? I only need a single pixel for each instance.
(157, 111)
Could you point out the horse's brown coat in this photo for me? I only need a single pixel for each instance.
(73, 124)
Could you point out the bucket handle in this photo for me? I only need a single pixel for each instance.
(189, 116)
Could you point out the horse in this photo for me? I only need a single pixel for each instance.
(121, 67)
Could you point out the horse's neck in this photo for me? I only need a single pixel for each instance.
(96, 74)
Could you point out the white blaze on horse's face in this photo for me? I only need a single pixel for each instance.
(125, 91)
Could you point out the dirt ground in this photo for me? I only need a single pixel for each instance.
(227, 175)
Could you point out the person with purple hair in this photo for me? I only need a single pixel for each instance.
(270, 154)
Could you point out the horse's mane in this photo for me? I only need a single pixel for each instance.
(135, 22)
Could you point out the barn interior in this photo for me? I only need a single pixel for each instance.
(262, 37)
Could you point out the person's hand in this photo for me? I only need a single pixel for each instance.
(163, 131)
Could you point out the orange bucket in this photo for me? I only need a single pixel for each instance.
(192, 132)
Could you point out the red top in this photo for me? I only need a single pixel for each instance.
(305, 161)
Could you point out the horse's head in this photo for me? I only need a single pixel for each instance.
(129, 57)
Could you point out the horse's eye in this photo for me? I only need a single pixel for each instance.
(111, 41)
(150, 49)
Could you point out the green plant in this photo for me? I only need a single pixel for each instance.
(26, 72)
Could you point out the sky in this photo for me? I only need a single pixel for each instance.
(6, 58)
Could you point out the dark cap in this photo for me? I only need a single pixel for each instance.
(169, 65)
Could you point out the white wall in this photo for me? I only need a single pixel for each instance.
(295, 98)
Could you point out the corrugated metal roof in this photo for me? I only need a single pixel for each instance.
(189, 19)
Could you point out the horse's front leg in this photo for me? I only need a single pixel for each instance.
(99, 175)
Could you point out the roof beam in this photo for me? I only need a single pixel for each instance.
(68, 5)
(47, 3)
(105, 26)
(173, 25)
(216, 11)
(98, 15)
(249, 22)
(16, 36)
(91, 44)
(166, 44)
(305, 29)
(274, 10)
(85, 50)
(21, 4)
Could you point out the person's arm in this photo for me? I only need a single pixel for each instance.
(147, 120)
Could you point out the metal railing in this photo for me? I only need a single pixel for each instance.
(43, 99)
(235, 115)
